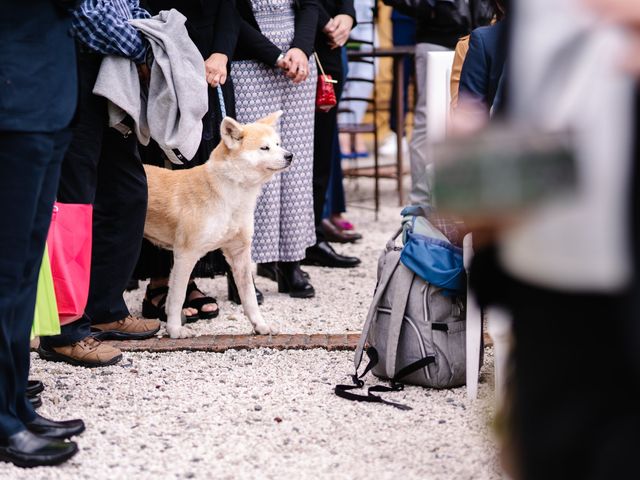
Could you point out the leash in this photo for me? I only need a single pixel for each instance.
(223, 109)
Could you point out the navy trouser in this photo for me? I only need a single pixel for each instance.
(103, 168)
(404, 34)
(29, 172)
(335, 201)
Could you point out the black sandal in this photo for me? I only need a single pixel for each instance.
(150, 310)
(198, 303)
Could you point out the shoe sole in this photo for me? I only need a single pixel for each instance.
(38, 462)
(314, 263)
(56, 357)
(118, 335)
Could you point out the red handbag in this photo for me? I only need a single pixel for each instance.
(69, 243)
(325, 93)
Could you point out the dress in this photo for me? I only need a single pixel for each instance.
(284, 225)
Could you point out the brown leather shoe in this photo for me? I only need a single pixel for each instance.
(334, 234)
(88, 352)
(129, 328)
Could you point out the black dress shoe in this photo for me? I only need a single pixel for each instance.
(268, 270)
(234, 296)
(35, 401)
(25, 449)
(292, 281)
(322, 254)
(34, 387)
(334, 234)
(57, 430)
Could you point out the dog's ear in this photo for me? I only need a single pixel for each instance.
(272, 118)
(231, 132)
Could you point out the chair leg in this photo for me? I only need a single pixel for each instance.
(474, 327)
(499, 328)
(474, 341)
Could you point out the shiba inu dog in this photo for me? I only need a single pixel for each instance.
(195, 211)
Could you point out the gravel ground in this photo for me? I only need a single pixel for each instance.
(258, 414)
(342, 295)
(264, 413)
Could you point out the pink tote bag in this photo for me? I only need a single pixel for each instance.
(69, 244)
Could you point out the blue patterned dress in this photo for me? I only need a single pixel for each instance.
(284, 224)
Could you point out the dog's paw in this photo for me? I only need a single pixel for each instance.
(264, 329)
(179, 332)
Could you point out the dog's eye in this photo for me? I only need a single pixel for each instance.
(264, 148)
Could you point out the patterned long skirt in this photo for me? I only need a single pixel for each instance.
(284, 223)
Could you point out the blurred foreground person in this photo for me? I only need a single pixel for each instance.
(566, 273)
(37, 102)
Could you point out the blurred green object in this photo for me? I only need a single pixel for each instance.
(503, 170)
(45, 320)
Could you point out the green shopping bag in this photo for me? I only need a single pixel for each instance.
(45, 320)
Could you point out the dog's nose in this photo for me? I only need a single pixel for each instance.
(288, 157)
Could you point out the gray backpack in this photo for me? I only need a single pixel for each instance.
(415, 332)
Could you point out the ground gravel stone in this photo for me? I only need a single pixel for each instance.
(195, 424)
(267, 414)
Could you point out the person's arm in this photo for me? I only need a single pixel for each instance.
(306, 24)
(456, 70)
(346, 7)
(226, 29)
(251, 39)
(474, 79)
(103, 28)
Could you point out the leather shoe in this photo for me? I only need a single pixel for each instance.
(291, 280)
(36, 401)
(56, 430)
(268, 270)
(334, 234)
(322, 254)
(34, 387)
(25, 449)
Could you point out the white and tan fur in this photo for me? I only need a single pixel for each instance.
(211, 206)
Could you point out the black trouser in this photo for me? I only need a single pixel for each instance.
(574, 395)
(29, 171)
(103, 168)
(326, 124)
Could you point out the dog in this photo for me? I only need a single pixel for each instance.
(201, 209)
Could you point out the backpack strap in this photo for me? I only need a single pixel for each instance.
(383, 282)
(400, 299)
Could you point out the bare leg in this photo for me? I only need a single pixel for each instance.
(183, 263)
(240, 261)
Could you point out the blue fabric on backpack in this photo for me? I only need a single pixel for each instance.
(435, 261)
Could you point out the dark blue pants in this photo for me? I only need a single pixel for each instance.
(29, 172)
(404, 34)
(103, 168)
(335, 201)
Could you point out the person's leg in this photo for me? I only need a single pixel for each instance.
(78, 178)
(575, 407)
(28, 174)
(404, 34)
(118, 225)
(420, 190)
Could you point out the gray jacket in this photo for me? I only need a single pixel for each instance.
(172, 111)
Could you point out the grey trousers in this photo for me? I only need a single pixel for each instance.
(419, 156)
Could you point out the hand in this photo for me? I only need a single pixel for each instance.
(338, 30)
(216, 69)
(297, 64)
